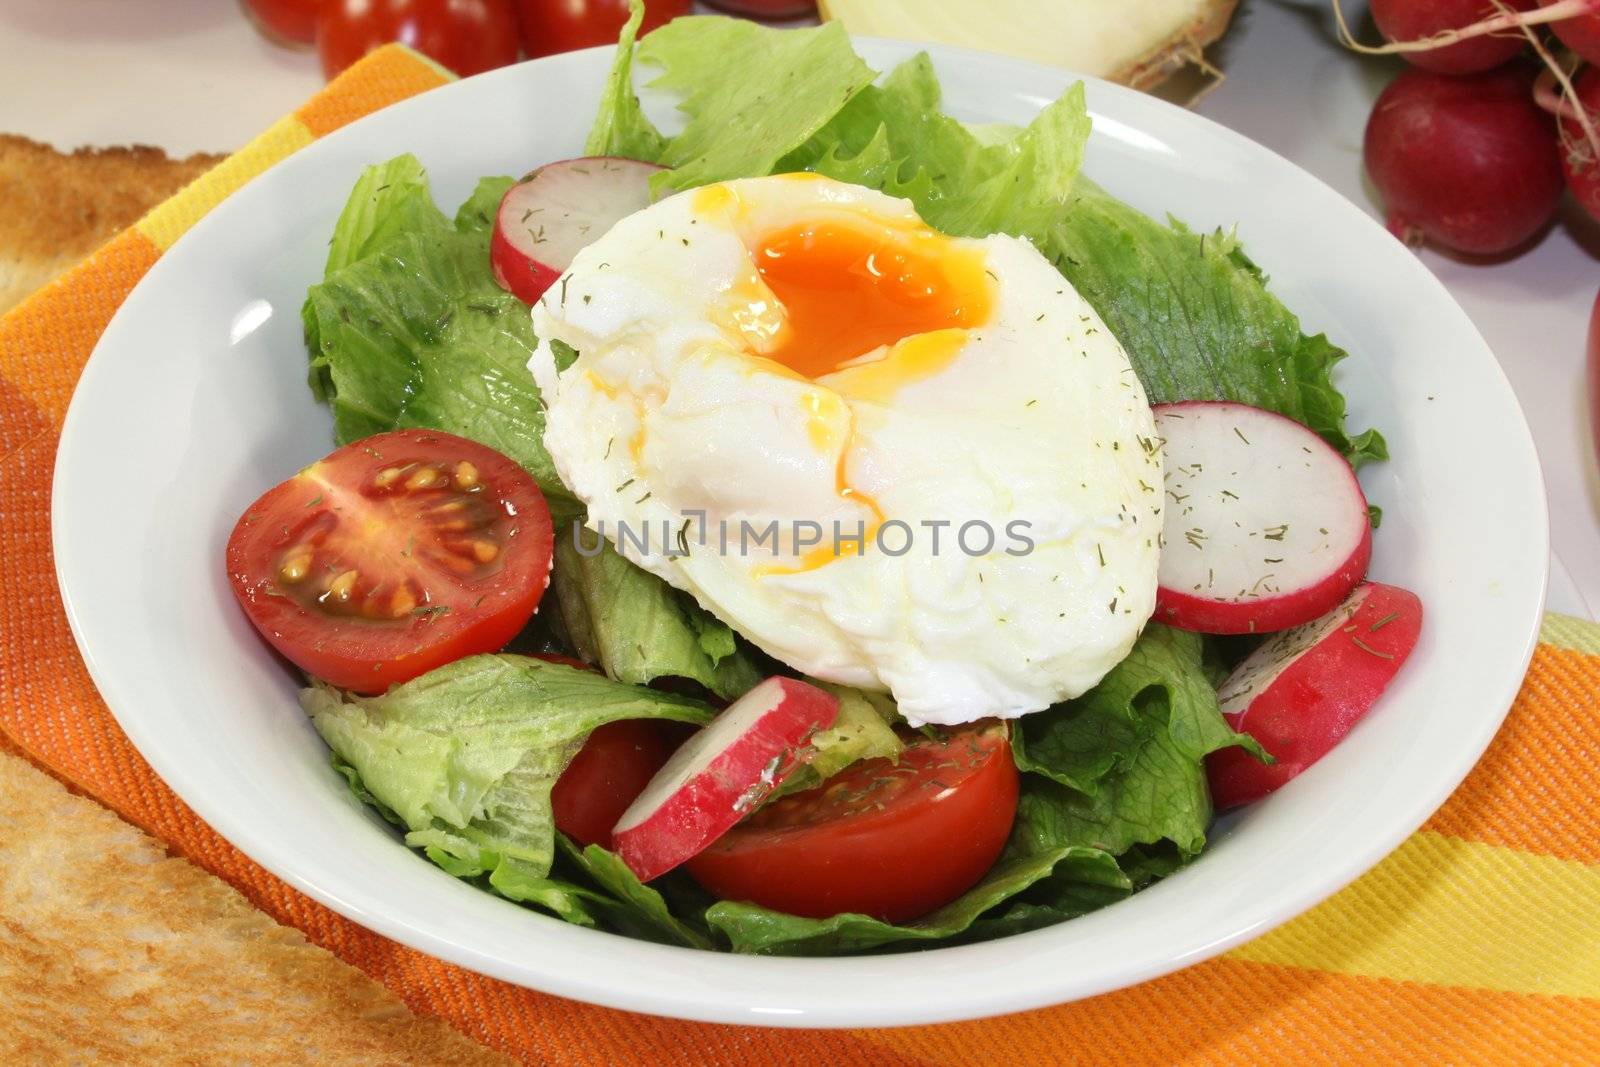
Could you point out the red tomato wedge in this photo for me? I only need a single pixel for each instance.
(894, 840)
(392, 556)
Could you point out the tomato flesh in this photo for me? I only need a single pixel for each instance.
(894, 840)
(551, 26)
(609, 771)
(393, 556)
(467, 36)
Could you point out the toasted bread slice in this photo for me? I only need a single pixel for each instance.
(112, 951)
(56, 208)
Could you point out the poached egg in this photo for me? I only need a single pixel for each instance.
(890, 458)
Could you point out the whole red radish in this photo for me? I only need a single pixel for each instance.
(548, 217)
(1265, 526)
(1413, 20)
(1579, 31)
(721, 774)
(1471, 163)
(1303, 689)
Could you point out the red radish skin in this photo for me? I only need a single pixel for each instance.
(1470, 163)
(1264, 527)
(721, 774)
(552, 214)
(1302, 690)
(1579, 31)
(1577, 22)
(1413, 20)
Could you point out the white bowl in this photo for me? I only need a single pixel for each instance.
(195, 402)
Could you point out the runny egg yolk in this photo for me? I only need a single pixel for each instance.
(849, 287)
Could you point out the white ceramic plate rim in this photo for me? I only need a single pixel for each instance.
(879, 990)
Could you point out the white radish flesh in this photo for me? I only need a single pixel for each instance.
(1303, 689)
(551, 215)
(1264, 525)
(721, 774)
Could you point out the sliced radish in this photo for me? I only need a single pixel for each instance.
(1264, 525)
(548, 217)
(1303, 689)
(721, 774)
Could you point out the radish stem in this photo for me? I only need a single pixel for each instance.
(1501, 23)
(1566, 103)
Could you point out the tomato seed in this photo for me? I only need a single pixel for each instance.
(426, 478)
(485, 551)
(466, 475)
(401, 604)
(295, 568)
(386, 477)
(341, 586)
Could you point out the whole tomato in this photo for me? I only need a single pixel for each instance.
(292, 20)
(551, 26)
(766, 9)
(467, 36)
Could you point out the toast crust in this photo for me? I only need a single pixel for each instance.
(113, 951)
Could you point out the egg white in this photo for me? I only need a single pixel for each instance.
(668, 411)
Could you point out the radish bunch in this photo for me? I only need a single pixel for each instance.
(1470, 150)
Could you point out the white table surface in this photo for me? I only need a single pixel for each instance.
(193, 75)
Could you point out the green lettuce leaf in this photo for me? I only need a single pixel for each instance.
(753, 929)
(1124, 762)
(620, 128)
(639, 628)
(410, 329)
(389, 201)
(513, 880)
(476, 214)
(750, 94)
(627, 904)
(464, 757)
(893, 137)
(1196, 317)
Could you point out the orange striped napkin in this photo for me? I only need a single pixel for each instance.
(1477, 941)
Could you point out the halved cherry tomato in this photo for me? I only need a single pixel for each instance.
(293, 20)
(467, 36)
(609, 771)
(892, 840)
(551, 26)
(392, 556)
(614, 765)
